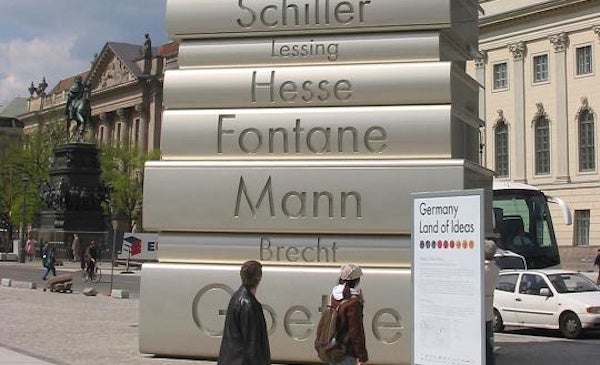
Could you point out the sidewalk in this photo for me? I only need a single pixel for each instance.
(38, 327)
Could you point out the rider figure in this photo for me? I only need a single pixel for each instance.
(75, 93)
(91, 255)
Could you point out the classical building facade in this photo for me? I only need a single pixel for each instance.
(539, 68)
(126, 97)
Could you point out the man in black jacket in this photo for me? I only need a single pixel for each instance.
(245, 339)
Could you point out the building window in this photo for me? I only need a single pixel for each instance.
(501, 142)
(587, 149)
(542, 147)
(500, 76)
(584, 60)
(582, 228)
(540, 68)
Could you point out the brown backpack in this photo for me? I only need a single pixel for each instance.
(330, 343)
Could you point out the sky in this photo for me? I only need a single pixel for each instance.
(58, 38)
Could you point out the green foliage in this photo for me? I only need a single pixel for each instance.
(123, 170)
(9, 179)
(26, 157)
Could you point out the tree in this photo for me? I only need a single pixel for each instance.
(28, 156)
(9, 185)
(123, 171)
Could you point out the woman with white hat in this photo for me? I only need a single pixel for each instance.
(350, 299)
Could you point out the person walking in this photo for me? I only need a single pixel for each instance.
(90, 258)
(50, 258)
(351, 314)
(597, 263)
(491, 279)
(75, 250)
(245, 339)
(30, 247)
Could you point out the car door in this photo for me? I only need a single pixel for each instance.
(534, 309)
(504, 297)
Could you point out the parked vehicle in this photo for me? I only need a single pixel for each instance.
(523, 226)
(548, 298)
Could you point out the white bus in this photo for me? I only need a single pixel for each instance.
(523, 226)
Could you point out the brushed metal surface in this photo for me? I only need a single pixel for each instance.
(182, 310)
(336, 197)
(327, 85)
(320, 49)
(239, 18)
(428, 131)
(322, 250)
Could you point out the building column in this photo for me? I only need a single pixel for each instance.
(105, 132)
(480, 64)
(122, 118)
(518, 51)
(559, 42)
(143, 132)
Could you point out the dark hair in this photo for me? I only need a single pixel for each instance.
(251, 273)
(349, 283)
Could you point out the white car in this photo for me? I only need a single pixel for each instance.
(549, 298)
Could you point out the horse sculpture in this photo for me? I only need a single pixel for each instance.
(78, 108)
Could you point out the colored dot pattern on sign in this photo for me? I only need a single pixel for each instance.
(447, 244)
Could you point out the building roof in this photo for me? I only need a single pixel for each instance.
(65, 84)
(15, 108)
(168, 49)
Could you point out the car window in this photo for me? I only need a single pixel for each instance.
(507, 282)
(532, 284)
(572, 283)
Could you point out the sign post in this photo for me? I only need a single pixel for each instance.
(447, 278)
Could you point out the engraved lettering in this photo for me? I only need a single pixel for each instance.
(243, 140)
(283, 14)
(291, 320)
(288, 90)
(279, 253)
(248, 10)
(310, 49)
(375, 139)
(267, 190)
(315, 140)
(220, 130)
(293, 203)
(387, 322)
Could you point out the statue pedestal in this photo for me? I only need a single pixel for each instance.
(73, 199)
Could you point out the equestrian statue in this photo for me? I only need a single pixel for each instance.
(78, 108)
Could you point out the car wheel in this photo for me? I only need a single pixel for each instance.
(570, 325)
(497, 323)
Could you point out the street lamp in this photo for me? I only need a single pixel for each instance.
(25, 181)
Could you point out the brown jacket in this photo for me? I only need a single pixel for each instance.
(351, 315)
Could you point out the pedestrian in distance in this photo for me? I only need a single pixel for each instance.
(30, 247)
(75, 248)
(597, 263)
(90, 258)
(349, 298)
(491, 279)
(245, 339)
(50, 262)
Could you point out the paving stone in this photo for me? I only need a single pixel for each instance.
(119, 294)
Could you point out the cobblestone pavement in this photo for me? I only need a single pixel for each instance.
(38, 327)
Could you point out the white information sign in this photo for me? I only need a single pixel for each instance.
(447, 278)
